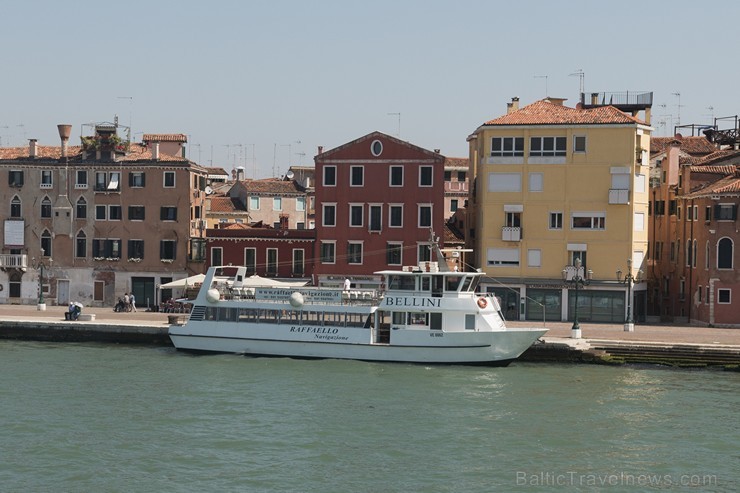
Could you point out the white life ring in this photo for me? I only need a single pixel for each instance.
(482, 302)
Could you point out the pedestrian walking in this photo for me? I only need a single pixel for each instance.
(127, 302)
(132, 299)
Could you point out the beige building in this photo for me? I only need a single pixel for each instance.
(104, 218)
(553, 184)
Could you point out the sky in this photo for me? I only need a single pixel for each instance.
(263, 84)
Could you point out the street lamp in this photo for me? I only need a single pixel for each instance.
(579, 279)
(39, 264)
(629, 280)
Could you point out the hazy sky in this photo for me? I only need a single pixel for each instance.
(279, 78)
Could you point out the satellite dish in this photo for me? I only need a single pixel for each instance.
(208, 190)
(289, 175)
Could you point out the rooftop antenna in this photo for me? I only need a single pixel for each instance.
(543, 77)
(399, 122)
(711, 109)
(131, 102)
(679, 105)
(581, 76)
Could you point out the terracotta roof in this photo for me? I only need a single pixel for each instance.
(729, 185)
(272, 186)
(696, 146)
(136, 152)
(226, 205)
(452, 235)
(457, 162)
(216, 171)
(544, 112)
(719, 156)
(726, 170)
(165, 138)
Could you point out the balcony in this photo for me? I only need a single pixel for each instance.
(12, 261)
(509, 233)
(618, 196)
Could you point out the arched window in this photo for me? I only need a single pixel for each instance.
(81, 208)
(688, 253)
(706, 256)
(693, 256)
(46, 208)
(81, 245)
(46, 243)
(15, 207)
(725, 253)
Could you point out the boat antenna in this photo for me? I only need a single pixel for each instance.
(441, 262)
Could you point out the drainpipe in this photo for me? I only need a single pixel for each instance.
(693, 258)
(711, 300)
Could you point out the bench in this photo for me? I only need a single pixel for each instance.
(86, 317)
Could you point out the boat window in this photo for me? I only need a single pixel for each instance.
(469, 321)
(467, 282)
(291, 317)
(355, 319)
(453, 282)
(404, 283)
(211, 313)
(228, 314)
(426, 284)
(313, 318)
(368, 322)
(247, 315)
(399, 318)
(416, 318)
(335, 319)
(435, 321)
(269, 316)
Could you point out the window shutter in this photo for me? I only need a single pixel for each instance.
(143, 179)
(131, 179)
(734, 212)
(717, 211)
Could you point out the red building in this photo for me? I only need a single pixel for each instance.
(377, 199)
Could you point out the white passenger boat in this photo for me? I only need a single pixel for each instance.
(421, 316)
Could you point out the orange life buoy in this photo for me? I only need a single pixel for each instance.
(482, 302)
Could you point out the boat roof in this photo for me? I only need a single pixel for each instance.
(419, 272)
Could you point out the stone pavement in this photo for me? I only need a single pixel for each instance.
(557, 331)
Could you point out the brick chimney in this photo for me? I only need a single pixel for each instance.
(33, 151)
(513, 106)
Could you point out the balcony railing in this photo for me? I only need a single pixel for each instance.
(13, 261)
(509, 233)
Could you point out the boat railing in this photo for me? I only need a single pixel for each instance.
(352, 297)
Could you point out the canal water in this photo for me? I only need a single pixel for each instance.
(107, 418)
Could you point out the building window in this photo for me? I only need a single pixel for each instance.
(136, 213)
(217, 256)
(578, 255)
(271, 269)
(725, 212)
(300, 204)
(536, 182)
(658, 250)
(724, 296)
(534, 258)
(356, 213)
(425, 216)
(706, 256)
(169, 179)
(376, 222)
(136, 249)
(330, 176)
(461, 175)
(425, 176)
(299, 256)
(507, 146)
(708, 213)
(513, 220)
(356, 176)
(556, 220)
(453, 205)
(15, 178)
(101, 212)
(393, 253)
(504, 182)
(46, 179)
(107, 248)
(354, 253)
(725, 253)
(46, 208)
(396, 178)
(547, 146)
(424, 252)
(588, 220)
(328, 249)
(250, 260)
(502, 257)
(81, 208)
(448, 175)
(579, 143)
(376, 148)
(114, 213)
(15, 207)
(168, 213)
(81, 245)
(254, 203)
(277, 204)
(81, 178)
(395, 216)
(167, 249)
(46, 244)
(329, 215)
(136, 179)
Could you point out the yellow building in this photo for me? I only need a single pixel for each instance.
(554, 184)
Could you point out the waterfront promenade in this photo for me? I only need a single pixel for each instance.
(676, 344)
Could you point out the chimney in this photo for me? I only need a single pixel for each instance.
(283, 221)
(239, 173)
(594, 98)
(64, 132)
(321, 149)
(513, 106)
(32, 149)
(155, 151)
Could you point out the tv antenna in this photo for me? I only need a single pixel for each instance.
(581, 76)
(679, 105)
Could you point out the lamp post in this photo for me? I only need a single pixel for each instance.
(39, 265)
(579, 279)
(629, 280)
